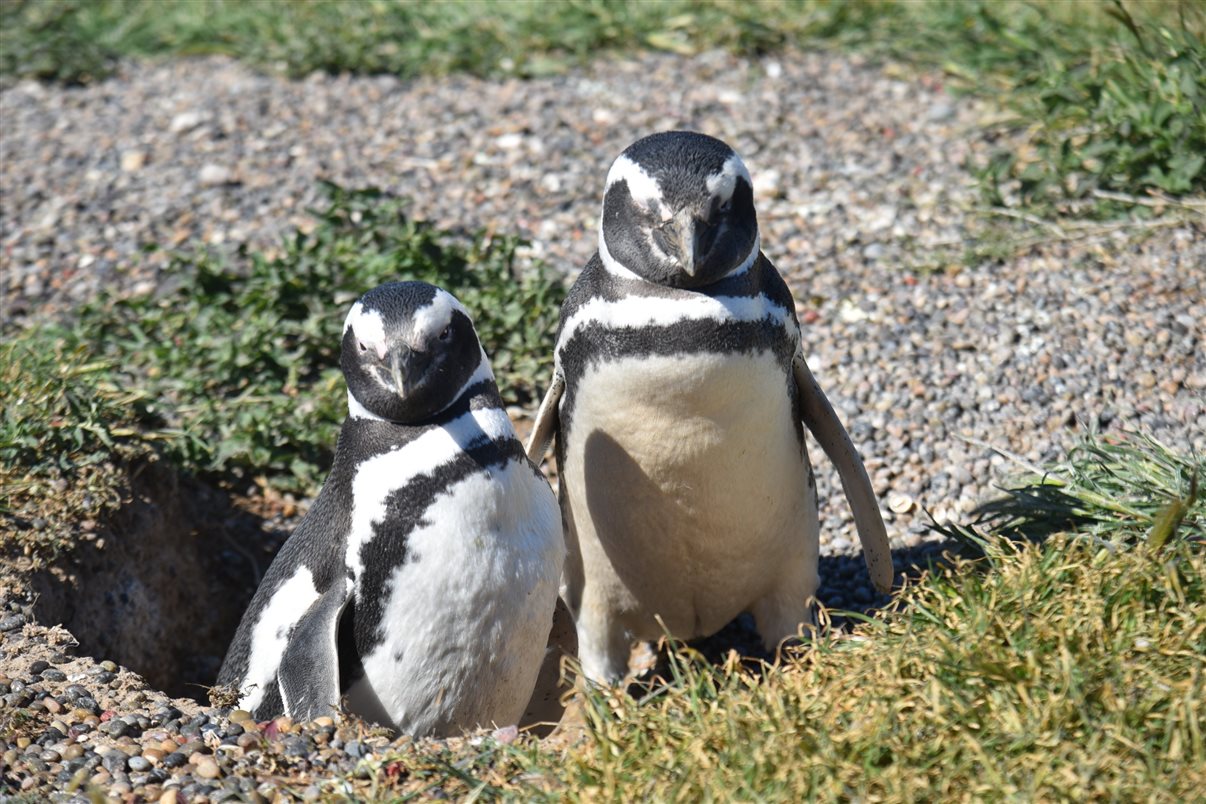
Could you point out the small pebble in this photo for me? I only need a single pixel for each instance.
(212, 175)
(208, 769)
(175, 760)
(12, 622)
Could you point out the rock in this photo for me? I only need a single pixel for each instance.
(12, 622)
(186, 121)
(115, 761)
(207, 768)
(116, 728)
(175, 760)
(940, 112)
(212, 175)
(900, 503)
(298, 746)
(132, 161)
(873, 251)
(239, 715)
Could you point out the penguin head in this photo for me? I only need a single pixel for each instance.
(409, 350)
(678, 210)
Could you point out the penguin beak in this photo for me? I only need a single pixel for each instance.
(402, 369)
(687, 227)
(396, 372)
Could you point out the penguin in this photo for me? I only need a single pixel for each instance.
(678, 401)
(422, 582)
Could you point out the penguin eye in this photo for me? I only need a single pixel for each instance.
(447, 333)
(726, 206)
(363, 348)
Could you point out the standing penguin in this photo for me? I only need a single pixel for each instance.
(422, 581)
(678, 394)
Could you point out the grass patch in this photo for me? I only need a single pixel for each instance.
(1113, 103)
(1109, 97)
(236, 374)
(1070, 668)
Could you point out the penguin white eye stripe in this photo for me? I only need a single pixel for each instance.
(368, 326)
(359, 411)
(749, 260)
(722, 184)
(616, 269)
(643, 188)
(610, 263)
(430, 321)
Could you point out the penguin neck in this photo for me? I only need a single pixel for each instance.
(360, 412)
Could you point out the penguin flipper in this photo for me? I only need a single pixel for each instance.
(818, 415)
(308, 677)
(547, 421)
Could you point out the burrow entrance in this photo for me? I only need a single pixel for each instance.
(163, 586)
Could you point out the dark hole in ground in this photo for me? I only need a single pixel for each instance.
(162, 589)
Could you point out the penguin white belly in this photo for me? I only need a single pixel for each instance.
(467, 615)
(689, 489)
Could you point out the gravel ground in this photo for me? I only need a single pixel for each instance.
(864, 204)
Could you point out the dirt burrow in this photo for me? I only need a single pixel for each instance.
(161, 588)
